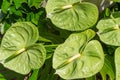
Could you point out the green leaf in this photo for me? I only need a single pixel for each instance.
(109, 31)
(18, 51)
(19, 2)
(117, 63)
(78, 57)
(34, 17)
(108, 69)
(35, 3)
(71, 14)
(5, 5)
(14, 11)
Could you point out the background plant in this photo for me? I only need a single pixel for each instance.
(67, 31)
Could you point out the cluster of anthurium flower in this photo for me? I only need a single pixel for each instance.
(80, 56)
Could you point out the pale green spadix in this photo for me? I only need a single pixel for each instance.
(19, 51)
(78, 56)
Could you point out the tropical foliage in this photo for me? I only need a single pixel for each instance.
(59, 40)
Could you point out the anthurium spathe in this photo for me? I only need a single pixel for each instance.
(19, 50)
(72, 15)
(78, 56)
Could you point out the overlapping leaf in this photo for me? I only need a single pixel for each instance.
(72, 14)
(18, 50)
(78, 57)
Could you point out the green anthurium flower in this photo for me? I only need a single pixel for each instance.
(19, 50)
(78, 56)
(72, 15)
(109, 30)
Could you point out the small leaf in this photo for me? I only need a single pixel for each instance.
(72, 15)
(5, 5)
(19, 2)
(18, 51)
(14, 11)
(78, 57)
(35, 3)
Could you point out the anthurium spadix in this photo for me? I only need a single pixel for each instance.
(19, 50)
(78, 56)
(72, 15)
